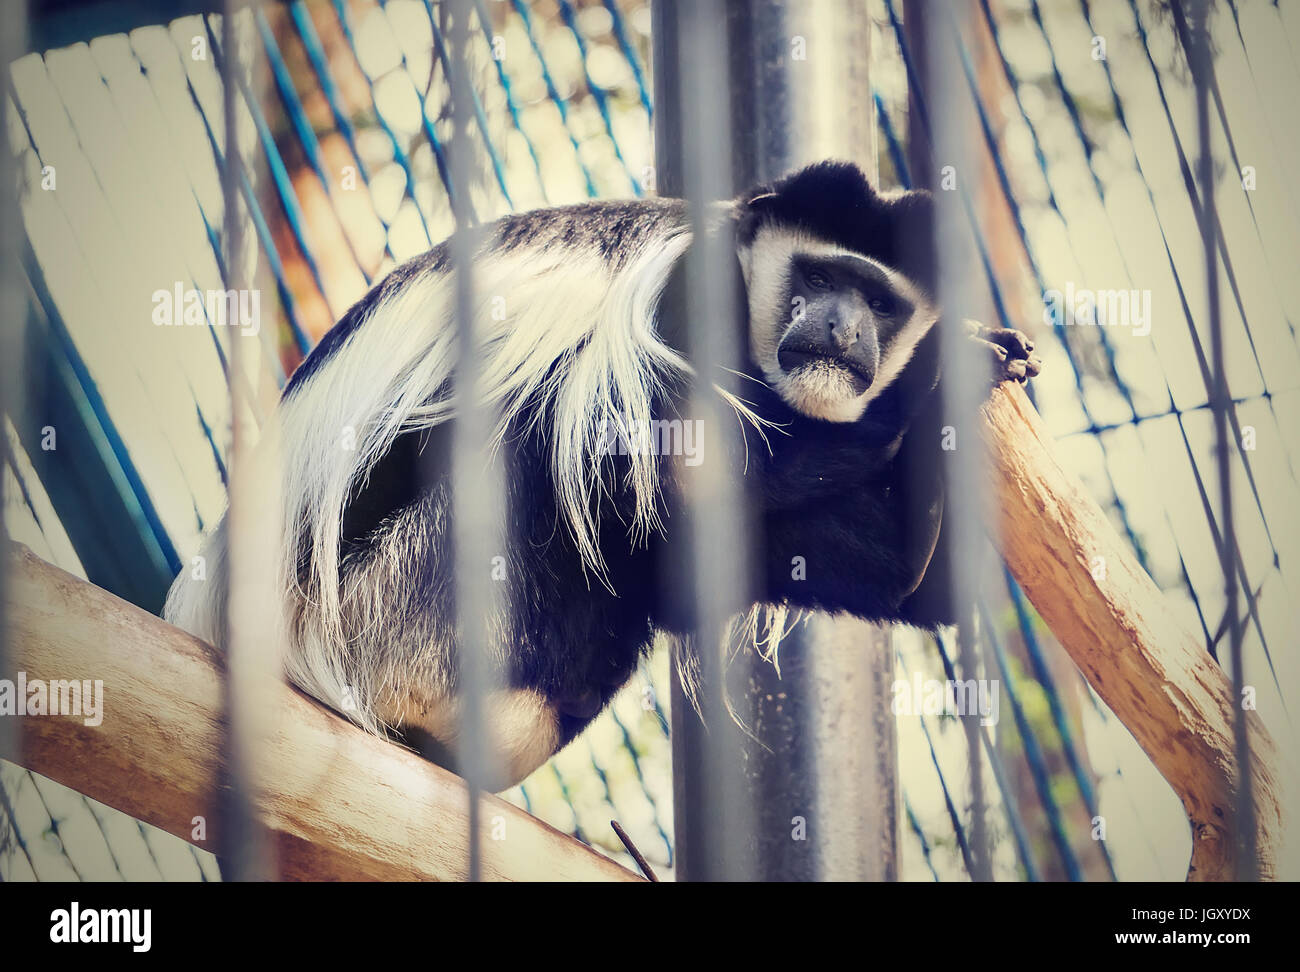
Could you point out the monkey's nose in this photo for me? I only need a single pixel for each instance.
(844, 334)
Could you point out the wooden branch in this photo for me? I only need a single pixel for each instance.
(1154, 673)
(343, 805)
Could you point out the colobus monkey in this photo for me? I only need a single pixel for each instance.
(841, 434)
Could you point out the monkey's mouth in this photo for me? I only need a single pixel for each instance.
(800, 357)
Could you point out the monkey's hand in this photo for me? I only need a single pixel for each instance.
(1011, 350)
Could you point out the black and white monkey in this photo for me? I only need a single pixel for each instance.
(840, 422)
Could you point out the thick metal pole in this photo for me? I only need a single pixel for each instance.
(820, 767)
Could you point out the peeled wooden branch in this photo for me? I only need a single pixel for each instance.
(1153, 672)
(342, 804)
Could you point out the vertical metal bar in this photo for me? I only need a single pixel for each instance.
(478, 497)
(966, 375)
(821, 743)
(836, 672)
(711, 809)
(920, 159)
(1202, 58)
(13, 325)
(252, 608)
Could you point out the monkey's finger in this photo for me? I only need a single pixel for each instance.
(1017, 343)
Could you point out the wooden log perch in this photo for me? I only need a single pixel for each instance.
(1153, 672)
(342, 805)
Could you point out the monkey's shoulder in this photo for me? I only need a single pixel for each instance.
(616, 229)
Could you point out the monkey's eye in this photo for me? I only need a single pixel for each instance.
(817, 279)
(884, 306)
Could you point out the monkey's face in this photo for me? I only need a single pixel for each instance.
(830, 329)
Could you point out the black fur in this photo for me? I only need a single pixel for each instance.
(860, 502)
(834, 201)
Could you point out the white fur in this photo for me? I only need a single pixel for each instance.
(523, 728)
